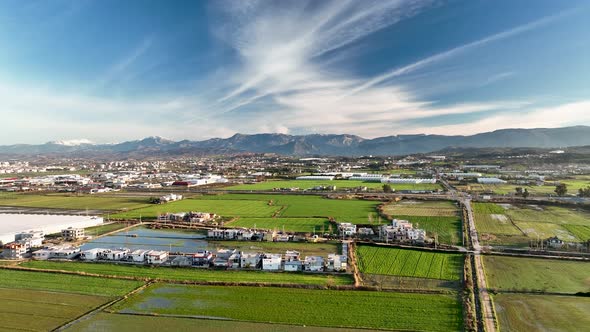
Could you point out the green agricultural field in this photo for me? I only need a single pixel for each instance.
(343, 210)
(265, 206)
(340, 184)
(226, 208)
(357, 309)
(438, 218)
(73, 202)
(422, 208)
(121, 322)
(537, 274)
(36, 310)
(504, 189)
(409, 263)
(495, 227)
(448, 229)
(301, 225)
(65, 283)
(581, 232)
(193, 274)
(304, 248)
(519, 312)
(518, 224)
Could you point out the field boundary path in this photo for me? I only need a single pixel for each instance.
(487, 307)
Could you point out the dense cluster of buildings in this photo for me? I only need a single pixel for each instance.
(367, 177)
(291, 261)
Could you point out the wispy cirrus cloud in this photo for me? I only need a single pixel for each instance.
(288, 73)
(282, 55)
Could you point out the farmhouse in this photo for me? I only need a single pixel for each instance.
(91, 254)
(271, 262)
(365, 232)
(293, 266)
(72, 234)
(401, 230)
(337, 262)
(346, 229)
(223, 257)
(250, 260)
(170, 198)
(202, 258)
(61, 252)
(314, 263)
(138, 256)
(114, 254)
(181, 261)
(15, 250)
(156, 257)
(34, 239)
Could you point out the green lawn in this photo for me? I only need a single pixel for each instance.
(73, 202)
(308, 184)
(384, 310)
(519, 312)
(193, 274)
(409, 263)
(537, 274)
(301, 225)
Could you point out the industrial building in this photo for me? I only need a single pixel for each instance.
(12, 224)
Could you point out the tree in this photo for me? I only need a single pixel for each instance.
(387, 188)
(584, 192)
(525, 193)
(561, 189)
(518, 190)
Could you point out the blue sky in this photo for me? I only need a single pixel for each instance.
(109, 71)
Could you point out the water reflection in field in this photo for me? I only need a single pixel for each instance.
(144, 238)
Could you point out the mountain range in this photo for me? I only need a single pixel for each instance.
(314, 144)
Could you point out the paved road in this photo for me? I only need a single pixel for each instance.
(484, 295)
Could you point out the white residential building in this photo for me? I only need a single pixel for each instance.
(313, 263)
(72, 233)
(138, 256)
(156, 257)
(337, 262)
(250, 260)
(271, 262)
(91, 254)
(346, 229)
